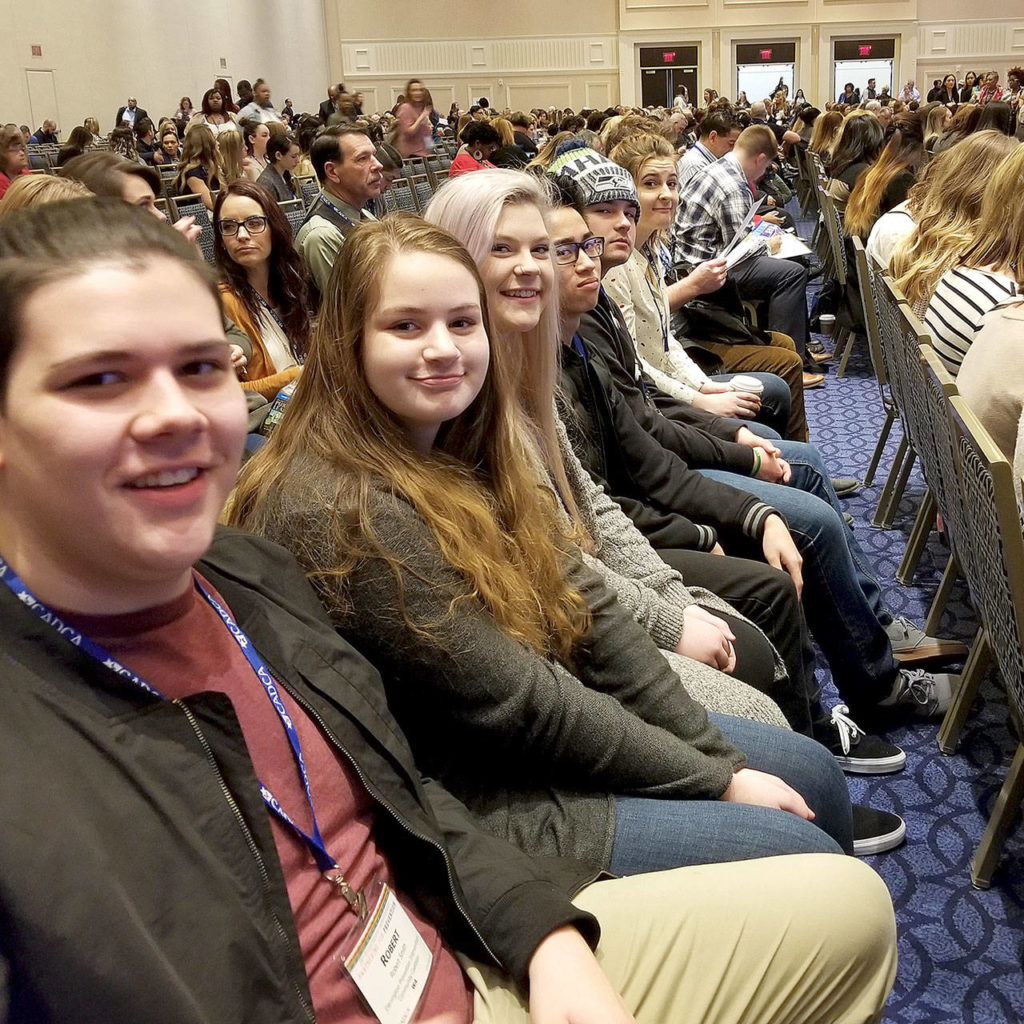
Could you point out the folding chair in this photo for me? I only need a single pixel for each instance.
(295, 213)
(993, 563)
(192, 206)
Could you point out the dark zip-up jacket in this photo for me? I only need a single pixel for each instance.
(670, 504)
(700, 438)
(139, 881)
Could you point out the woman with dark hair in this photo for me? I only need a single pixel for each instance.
(183, 115)
(215, 113)
(969, 88)
(964, 122)
(256, 135)
(887, 182)
(199, 170)
(265, 289)
(414, 123)
(480, 141)
(998, 115)
(282, 158)
(857, 146)
(222, 86)
(78, 142)
(949, 95)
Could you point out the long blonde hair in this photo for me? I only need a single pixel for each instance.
(479, 490)
(469, 207)
(200, 150)
(998, 239)
(946, 203)
(231, 148)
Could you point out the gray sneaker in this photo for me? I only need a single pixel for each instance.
(920, 694)
(911, 644)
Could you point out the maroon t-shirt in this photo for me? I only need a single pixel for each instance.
(183, 648)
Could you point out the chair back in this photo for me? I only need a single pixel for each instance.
(834, 231)
(192, 206)
(939, 388)
(309, 188)
(402, 196)
(865, 281)
(295, 214)
(992, 547)
(888, 302)
(909, 370)
(422, 189)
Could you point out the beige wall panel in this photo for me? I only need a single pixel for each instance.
(445, 19)
(102, 51)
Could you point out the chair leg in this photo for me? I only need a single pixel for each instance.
(890, 419)
(1007, 804)
(851, 337)
(933, 623)
(918, 538)
(895, 485)
(978, 660)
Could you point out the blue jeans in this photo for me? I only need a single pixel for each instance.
(842, 598)
(776, 400)
(651, 834)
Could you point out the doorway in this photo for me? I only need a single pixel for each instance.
(663, 70)
(858, 60)
(763, 68)
(42, 97)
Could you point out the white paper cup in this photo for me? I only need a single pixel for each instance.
(828, 324)
(742, 382)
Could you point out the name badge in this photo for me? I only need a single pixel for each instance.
(388, 960)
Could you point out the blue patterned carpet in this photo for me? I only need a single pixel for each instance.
(961, 950)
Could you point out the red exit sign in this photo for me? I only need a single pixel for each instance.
(865, 51)
(669, 55)
(766, 55)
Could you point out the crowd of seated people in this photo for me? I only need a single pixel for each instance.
(529, 458)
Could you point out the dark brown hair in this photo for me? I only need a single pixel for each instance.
(289, 284)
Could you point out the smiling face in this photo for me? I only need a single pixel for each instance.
(425, 351)
(615, 222)
(120, 437)
(658, 188)
(248, 249)
(518, 272)
(579, 283)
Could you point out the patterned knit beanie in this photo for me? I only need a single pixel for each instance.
(600, 180)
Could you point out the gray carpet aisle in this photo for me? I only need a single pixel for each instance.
(960, 949)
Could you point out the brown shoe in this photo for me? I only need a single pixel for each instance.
(821, 357)
(813, 380)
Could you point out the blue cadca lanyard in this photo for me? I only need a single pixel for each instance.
(314, 842)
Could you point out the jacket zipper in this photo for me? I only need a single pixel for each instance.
(312, 712)
(250, 842)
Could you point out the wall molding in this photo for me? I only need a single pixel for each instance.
(449, 58)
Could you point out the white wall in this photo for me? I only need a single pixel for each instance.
(102, 51)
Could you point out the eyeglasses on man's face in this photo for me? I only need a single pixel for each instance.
(569, 252)
(252, 225)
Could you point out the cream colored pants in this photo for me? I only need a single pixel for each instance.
(806, 939)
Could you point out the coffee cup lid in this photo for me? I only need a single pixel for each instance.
(743, 382)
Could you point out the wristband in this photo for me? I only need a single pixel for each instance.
(757, 462)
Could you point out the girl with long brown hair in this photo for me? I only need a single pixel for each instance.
(404, 476)
(265, 288)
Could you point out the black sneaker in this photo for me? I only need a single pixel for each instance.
(876, 831)
(859, 752)
(920, 694)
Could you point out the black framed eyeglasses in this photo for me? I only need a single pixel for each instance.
(569, 252)
(252, 225)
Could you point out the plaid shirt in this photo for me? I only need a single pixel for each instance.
(711, 211)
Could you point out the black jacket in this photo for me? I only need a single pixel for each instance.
(702, 439)
(139, 881)
(654, 486)
(139, 115)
